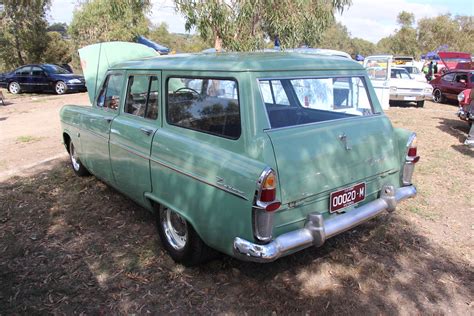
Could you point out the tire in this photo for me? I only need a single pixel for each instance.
(420, 104)
(60, 87)
(14, 87)
(438, 96)
(76, 164)
(180, 239)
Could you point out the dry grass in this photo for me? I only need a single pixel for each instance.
(73, 245)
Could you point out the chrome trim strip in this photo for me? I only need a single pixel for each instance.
(318, 229)
(199, 179)
(130, 150)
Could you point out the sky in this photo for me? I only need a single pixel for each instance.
(367, 19)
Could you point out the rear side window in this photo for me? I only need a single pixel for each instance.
(309, 100)
(207, 105)
(142, 96)
(448, 77)
(23, 71)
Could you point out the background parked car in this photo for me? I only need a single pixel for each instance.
(466, 105)
(41, 78)
(414, 72)
(449, 85)
(404, 89)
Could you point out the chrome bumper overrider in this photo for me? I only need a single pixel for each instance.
(317, 230)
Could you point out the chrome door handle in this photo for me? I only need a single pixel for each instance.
(146, 131)
(108, 119)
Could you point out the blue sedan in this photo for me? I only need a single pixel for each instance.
(42, 77)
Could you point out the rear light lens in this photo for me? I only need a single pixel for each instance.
(411, 159)
(266, 196)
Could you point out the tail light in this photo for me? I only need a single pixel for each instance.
(410, 160)
(266, 191)
(265, 205)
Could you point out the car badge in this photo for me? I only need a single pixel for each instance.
(343, 139)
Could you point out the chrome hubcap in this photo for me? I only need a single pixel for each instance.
(60, 88)
(175, 228)
(74, 159)
(14, 88)
(437, 95)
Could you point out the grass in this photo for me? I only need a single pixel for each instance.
(27, 139)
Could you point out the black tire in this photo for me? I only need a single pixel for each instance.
(14, 87)
(60, 87)
(76, 164)
(180, 239)
(420, 104)
(438, 96)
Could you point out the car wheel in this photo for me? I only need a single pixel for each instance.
(76, 164)
(420, 104)
(180, 239)
(60, 87)
(438, 96)
(14, 87)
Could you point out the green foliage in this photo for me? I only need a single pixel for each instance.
(244, 25)
(338, 37)
(59, 50)
(61, 28)
(180, 43)
(430, 33)
(23, 31)
(108, 20)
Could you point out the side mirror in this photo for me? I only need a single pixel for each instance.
(463, 81)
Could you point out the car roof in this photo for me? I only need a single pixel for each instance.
(459, 70)
(259, 61)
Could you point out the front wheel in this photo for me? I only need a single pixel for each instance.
(14, 87)
(438, 96)
(60, 87)
(420, 104)
(180, 239)
(76, 164)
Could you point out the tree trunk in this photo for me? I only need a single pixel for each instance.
(218, 44)
(18, 51)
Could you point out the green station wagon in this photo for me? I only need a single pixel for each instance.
(255, 155)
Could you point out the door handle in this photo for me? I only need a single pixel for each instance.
(146, 131)
(108, 119)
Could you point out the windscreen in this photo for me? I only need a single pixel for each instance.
(299, 101)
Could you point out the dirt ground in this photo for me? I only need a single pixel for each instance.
(72, 245)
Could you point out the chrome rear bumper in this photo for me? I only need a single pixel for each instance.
(317, 230)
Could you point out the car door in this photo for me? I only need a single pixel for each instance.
(446, 84)
(459, 83)
(22, 76)
(39, 80)
(132, 134)
(96, 126)
(379, 70)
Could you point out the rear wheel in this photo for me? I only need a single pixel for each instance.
(60, 87)
(420, 104)
(438, 96)
(14, 87)
(180, 239)
(76, 164)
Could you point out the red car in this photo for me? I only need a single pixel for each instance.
(453, 82)
(466, 105)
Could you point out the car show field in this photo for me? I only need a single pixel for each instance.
(75, 245)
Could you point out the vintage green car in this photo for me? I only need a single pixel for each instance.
(255, 155)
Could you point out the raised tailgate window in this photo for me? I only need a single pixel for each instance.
(204, 104)
(309, 100)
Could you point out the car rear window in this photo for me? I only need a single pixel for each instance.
(208, 105)
(298, 101)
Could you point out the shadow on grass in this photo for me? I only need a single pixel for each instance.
(458, 129)
(74, 245)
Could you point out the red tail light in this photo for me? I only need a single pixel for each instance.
(410, 160)
(267, 185)
(412, 150)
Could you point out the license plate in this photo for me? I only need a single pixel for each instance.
(346, 197)
(409, 98)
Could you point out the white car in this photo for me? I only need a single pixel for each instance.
(404, 89)
(414, 72)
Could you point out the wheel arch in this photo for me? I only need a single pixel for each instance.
(66, 140)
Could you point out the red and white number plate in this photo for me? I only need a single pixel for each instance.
(346, 197)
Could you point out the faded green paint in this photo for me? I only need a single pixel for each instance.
(181, 168)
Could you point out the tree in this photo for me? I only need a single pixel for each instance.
(362, 47)
(185, 43)
(59, 50)
(23, 36)
(243, 25)
(109, 20)
(61, 28)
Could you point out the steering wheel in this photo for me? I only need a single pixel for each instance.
(187, 88)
